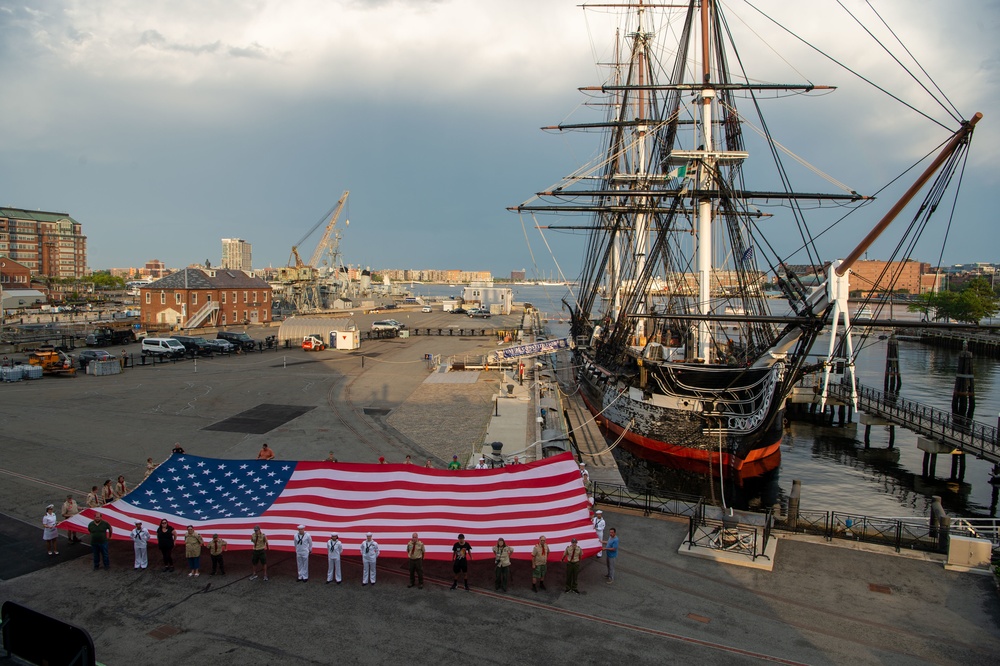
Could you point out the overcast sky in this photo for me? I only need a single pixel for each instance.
(165, 126)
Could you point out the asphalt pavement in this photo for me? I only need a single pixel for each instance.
(821, 604)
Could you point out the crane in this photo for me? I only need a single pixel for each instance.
(325, 244)
(295, 261)
(301, 279)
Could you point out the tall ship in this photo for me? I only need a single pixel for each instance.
(680, 354)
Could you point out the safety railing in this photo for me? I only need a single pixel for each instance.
(729, 536)
(970, 436)
(672, 504)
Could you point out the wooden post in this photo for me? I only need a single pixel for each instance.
(963, 398)
(926, 466)
(868, 435)
(892, 436)
(893, 381)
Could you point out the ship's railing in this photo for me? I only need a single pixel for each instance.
(671, 504)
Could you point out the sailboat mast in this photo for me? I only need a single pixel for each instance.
(705, 177)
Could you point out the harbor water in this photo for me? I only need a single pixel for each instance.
(837, 471)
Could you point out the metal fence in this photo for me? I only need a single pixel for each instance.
(897, 533)
(729, 536)
(671, 504)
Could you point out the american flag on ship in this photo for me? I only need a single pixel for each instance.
(228, 497)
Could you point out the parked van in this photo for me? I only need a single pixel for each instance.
(385, 325)
(241, 340)
(162, 347)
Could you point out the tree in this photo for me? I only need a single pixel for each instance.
(926, 304)
(975, 302)
(105, 280)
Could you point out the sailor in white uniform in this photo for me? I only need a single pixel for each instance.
(303, 546)
(333, 550)
(599, 525)
(369, 553)
(140, 539)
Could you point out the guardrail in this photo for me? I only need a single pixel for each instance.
(898, 533)
(671, 504)
(966, 434)
(729, 536)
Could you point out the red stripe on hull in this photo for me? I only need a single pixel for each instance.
(759, 461)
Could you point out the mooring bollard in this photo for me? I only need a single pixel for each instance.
(792, 519)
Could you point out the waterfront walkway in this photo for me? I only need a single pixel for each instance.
(950, 430)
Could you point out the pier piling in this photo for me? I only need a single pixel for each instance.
(963, 398)
(893, 380)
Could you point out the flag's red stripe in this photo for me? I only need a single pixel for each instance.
(478, 485)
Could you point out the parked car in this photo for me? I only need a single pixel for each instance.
(459, 311)
(479, 312)
(426, 308)
(220, 346)
(385, 325)
(162, 347)
(241, 340)
(88, 355)
(194, 344)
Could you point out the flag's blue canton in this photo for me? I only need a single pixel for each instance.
(206, 488)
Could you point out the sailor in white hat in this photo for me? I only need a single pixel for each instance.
(303, 546)
(333, 550)
(140, 541)
(599, 526)
(369, 553)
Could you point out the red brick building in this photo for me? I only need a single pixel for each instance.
(910, 277)
(49, 244)
(203, 298)
(14, 275)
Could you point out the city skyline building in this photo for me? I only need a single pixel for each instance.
(237, 254)
(49, 244)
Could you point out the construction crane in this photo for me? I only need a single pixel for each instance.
(330, 242)
(302, 278)
(324, 245)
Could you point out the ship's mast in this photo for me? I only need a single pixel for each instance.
(641, 244)
(706, 175)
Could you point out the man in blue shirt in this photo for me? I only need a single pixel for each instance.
(611, 550)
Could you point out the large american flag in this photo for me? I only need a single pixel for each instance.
(228, 497)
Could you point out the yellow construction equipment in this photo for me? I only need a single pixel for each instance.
(52, 362)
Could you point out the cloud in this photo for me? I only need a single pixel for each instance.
(249, 117)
